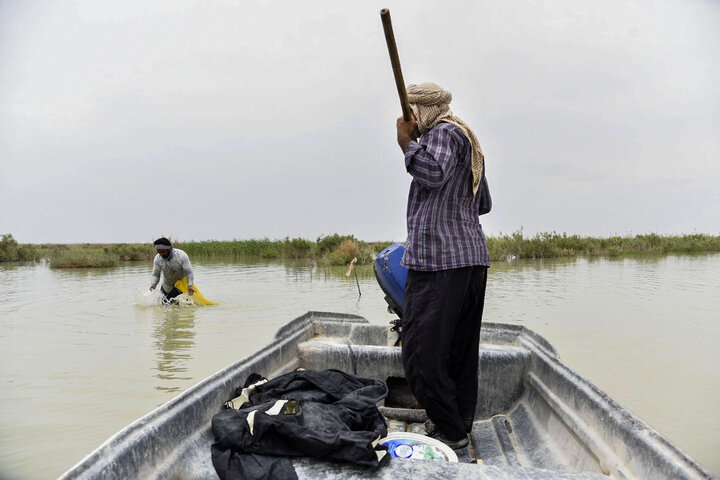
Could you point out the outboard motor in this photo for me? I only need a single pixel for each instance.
(392, 277)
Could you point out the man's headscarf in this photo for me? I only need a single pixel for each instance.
(162, 243)
(430, 105)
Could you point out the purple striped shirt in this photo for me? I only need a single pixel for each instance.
(442, 215)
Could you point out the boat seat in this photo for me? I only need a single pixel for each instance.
(500, 376)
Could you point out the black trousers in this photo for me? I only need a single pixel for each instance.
(168, 297)
(442, 314)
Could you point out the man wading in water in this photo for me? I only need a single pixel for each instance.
(174, 265)
(447, 258)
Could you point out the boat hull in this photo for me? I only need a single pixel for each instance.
(535, 418)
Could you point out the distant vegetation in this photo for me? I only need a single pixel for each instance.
(341, 249)
(548, 245)
(326, 250)
(68, 256)
(11, 251)
(87, 255)
(80, 258)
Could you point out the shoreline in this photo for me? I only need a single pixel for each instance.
(341, 249)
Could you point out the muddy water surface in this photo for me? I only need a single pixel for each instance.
(81, 355)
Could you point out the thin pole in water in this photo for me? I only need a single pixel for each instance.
(350, 269)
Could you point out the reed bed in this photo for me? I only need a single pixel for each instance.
(551, 245)
(84, 259)
(326, 250)
(341, 249)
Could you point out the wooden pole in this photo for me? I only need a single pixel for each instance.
(395, 61)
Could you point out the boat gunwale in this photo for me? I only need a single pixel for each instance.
(623, 420)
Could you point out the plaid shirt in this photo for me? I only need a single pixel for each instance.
(442, 215)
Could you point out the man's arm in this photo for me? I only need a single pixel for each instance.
(155, 273)
(406, 132)
(187, 268)
(485, 198)
(432, 161)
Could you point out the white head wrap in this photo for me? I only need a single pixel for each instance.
(430, 105)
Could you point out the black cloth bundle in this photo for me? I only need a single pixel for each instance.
(325, 414)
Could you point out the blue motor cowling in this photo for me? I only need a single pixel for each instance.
(392, 276)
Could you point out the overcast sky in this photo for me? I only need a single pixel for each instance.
(121, 121)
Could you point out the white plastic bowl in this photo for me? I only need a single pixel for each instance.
(414, 446)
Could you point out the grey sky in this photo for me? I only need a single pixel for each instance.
(122, 121)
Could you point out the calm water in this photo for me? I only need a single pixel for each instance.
(80, 357)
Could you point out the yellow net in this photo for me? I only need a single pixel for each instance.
(196, 297)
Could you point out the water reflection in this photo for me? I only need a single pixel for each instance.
(174, 335)
(300, 270)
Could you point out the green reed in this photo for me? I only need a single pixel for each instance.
(326, 250)
(338, 249)
(84, 258)
(549, 245)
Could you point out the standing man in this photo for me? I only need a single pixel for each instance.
(174, 265)
(447, 260)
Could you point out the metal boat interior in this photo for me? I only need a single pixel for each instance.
(535, 418)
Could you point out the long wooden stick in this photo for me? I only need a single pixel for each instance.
(395, 61)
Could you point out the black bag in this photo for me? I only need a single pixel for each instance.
(325, 414)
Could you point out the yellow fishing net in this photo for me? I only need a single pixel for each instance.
(197, 297)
